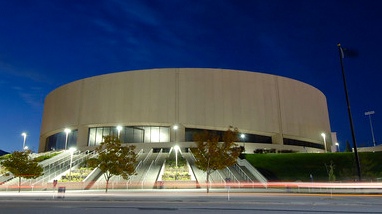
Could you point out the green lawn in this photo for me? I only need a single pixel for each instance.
(299, 166)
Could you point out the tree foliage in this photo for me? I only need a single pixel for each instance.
(114, 159)
(22, 166)
(348, 147)
(212, 154)
(330, 170)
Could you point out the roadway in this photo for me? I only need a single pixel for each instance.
(186, 201)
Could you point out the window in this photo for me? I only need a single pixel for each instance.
(58, 140)
(293, 142)
(130, 134)
(249, 138)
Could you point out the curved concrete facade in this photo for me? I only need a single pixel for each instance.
(213, 99)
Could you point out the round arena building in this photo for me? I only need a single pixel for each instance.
(160, 108)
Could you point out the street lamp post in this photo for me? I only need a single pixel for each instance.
(67, 131)
(72, 150)
(341, 54)
(242, 136)
(338, 147)
(175, 128)
(25, 137)
(324, 136)
(369, 113)
(176, 155)
(119, 128)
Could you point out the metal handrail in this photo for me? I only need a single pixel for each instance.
(145, 176)
(192, 155)
(148, 155)
(46, 167)
(66, 165)
(242, 173)
(232, 176)
(140, 152)
(253, 170)
(160, 152)
(216, 176)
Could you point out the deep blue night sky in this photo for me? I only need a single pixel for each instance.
(45, 44)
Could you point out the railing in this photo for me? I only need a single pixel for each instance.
(51, 160)
(169, 152)
(242, 173)
(148, 155)
(159, 154)
(140, 152)
(138, 165)
(147, 172)
(216, 177)
(253, 170)
(45, 164)
(231, 176)
(64, 166)
(192, 155)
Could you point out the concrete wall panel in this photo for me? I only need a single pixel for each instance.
(192, 97)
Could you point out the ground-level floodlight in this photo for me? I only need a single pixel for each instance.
(176, 155)
(25, 137)
(72, 150)
(119, 129)
(324, 136)
(67, 131)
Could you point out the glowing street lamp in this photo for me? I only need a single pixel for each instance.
(369, 113)
(67, 131)
(324, 136)
(175, 128)
(242, 136)
(119, 128)
(176, 155)
(25, 137)
(72, 150)
(338, 146)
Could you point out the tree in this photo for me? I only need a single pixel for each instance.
(22, 166)
(348, 147)
(330, 170)
(114, 159)
(211, 155)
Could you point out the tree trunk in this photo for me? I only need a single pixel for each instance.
(19, 184)
(208, 182)
(107, 184)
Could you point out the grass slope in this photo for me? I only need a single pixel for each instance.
(299, 166)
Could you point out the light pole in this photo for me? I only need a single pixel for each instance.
(324, 136)
(369, 113)
(341, 54)
(242, 136)
(338, 146)
(175, 128)
(72, 150)
(25, 137)
(119, 128)
(67, 131)
(176, 156)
